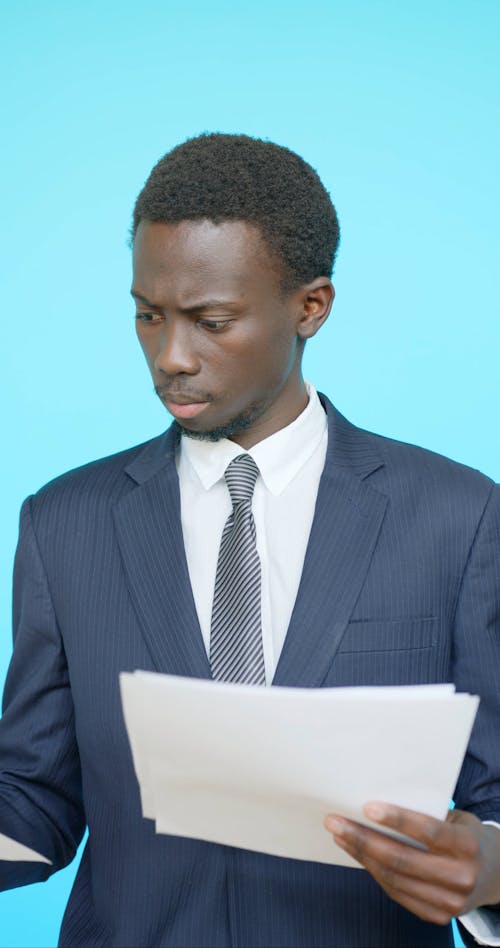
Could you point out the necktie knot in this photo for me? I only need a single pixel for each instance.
(241, 475)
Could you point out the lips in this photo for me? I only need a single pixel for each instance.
(182, 406)
(178, 399)
(185, 411)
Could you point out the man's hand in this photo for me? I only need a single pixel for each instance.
(458, 871)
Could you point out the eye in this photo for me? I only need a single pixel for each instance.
(214, 325)
(150, 318)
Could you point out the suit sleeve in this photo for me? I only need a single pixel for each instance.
(476, 665)
(40, 781)
(476, 662)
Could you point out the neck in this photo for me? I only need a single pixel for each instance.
(280, 414)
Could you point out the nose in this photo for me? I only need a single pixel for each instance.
(176, 354)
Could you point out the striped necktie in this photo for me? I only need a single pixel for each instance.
(236, 652)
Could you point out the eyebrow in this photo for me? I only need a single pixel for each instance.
(195, 308)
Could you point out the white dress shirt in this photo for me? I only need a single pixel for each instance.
(290, 463)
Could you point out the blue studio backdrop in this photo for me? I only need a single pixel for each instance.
(396, 106)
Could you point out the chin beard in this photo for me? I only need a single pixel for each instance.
(237, 424)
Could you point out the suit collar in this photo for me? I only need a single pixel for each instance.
(349, 448)
(154, 456)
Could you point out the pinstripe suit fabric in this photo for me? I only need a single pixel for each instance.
(400, 585)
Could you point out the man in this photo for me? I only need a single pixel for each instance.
(351, 560)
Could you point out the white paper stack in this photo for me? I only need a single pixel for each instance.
(259, 768)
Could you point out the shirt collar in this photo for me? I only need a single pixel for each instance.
(279, 457)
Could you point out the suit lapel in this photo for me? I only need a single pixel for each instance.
(148, 526)
(347, 521)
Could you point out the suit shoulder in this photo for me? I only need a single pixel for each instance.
(441, 489)
(408, 464)
(407, 467)
(422, 461)
(105, 478)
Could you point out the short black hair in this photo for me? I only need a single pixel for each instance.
(222, 177)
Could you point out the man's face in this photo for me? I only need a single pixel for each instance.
(221, 340)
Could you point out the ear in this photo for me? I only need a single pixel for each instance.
(315, 302)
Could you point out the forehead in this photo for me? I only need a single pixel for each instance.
(193, 257)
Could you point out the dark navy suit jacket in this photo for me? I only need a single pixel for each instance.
(400, 585)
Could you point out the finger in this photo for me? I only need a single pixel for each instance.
(395, 859)
(429, 913)
(429, 901)
(363, 842)
(451, 898)
(445, 836)
(462, 818)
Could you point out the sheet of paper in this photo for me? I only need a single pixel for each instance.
(259, 768)
(16, 852)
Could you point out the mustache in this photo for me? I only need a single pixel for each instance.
(173, 394)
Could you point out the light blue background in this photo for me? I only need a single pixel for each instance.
(395, 104)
